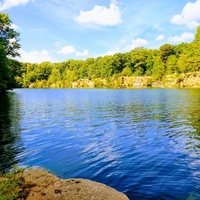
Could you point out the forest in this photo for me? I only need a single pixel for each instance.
(106, 71)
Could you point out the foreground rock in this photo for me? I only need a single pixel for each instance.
(46, 186)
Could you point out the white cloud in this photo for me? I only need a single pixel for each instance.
(82, 54)
(111, 52)
(14, 26)
(35, 56)
(190, 15)
(182, 38)
(11, 3)
(135, 43)
(100, 15)
(160, 37)
(57, 44)
(66, 50)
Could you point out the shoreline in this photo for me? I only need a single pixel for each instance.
(188, 80)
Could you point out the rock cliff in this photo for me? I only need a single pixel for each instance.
(188, 80)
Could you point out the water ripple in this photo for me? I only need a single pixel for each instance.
(144, 143)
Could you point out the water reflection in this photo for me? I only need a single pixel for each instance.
(9, 130)
(195, 112)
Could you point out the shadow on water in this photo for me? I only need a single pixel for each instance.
(9, 131)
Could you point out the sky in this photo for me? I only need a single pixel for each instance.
(58, 30)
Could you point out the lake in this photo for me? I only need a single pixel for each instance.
(143, 142)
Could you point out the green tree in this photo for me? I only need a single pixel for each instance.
(137, 61)
(180, 48)
(106, 66)
(166, 50)
(158, 68)
(118, 62)
(172, 64)
(9, 46)
(197, 35)
(3, 68)
(126, 71)
(43, 71)
(150, 61)
(8, 36)
(189, 60)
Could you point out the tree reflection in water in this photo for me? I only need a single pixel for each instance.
(10, 145)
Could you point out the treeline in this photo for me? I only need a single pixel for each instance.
(168, 59)
(107, 71)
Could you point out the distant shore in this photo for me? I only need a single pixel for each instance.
(187, 80)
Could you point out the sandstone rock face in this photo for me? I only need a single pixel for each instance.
(187, 80)
(46, 186)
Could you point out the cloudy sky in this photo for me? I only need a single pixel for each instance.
(57, 30)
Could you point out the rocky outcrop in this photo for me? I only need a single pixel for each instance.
(46, 186)
(187, 80)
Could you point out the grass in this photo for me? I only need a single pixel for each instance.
(13, 185)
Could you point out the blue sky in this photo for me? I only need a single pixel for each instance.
(58, 30)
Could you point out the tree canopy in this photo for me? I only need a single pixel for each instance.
(9, 46)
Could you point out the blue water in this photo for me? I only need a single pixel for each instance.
(144, 142)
